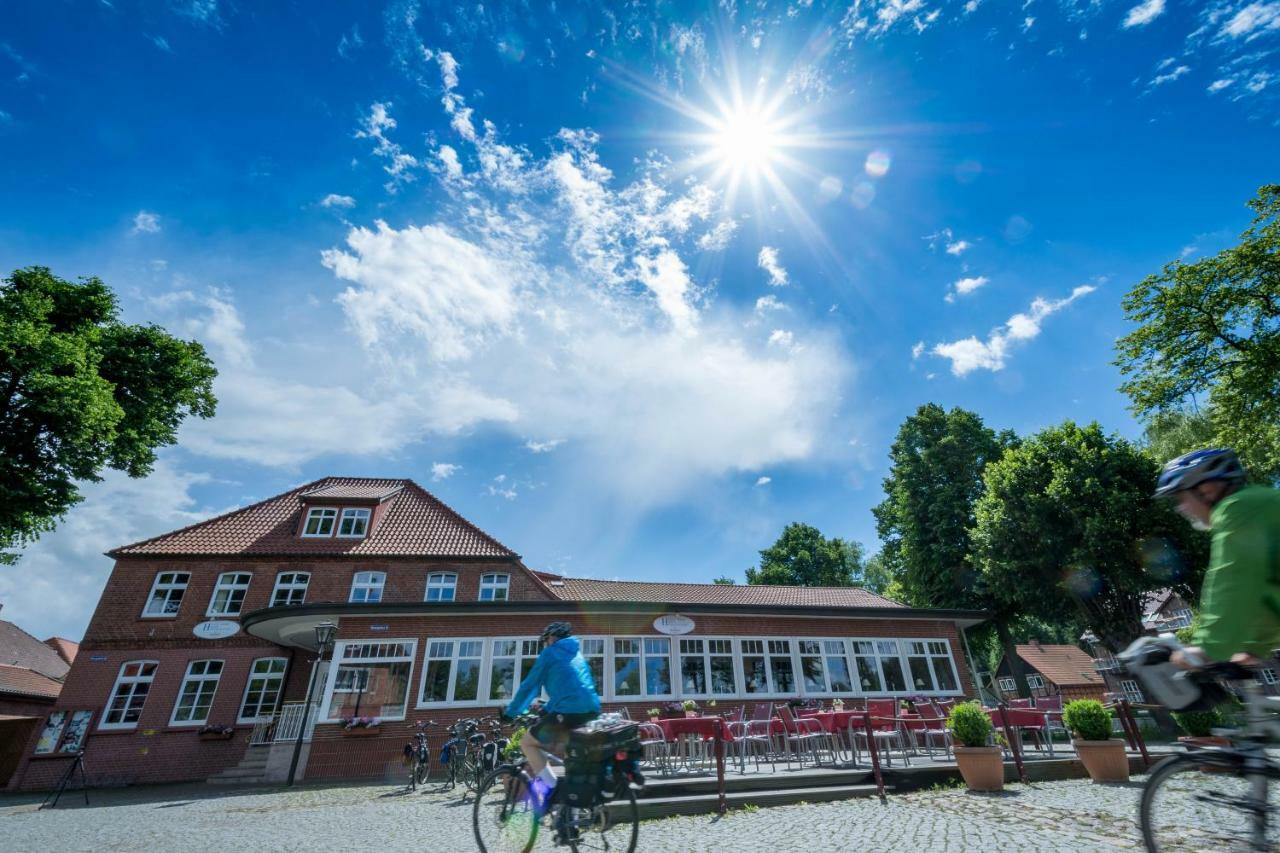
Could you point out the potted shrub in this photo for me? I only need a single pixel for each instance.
(1090, 727)
(216, 732)
(360, 726)
(1199, 726)
(980, 764)
(655, 714)
(690, 708)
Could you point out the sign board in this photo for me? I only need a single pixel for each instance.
(673, 623)
(97, 658)
(216, 629)
(378, 627)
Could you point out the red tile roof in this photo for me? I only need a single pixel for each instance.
(1062, 665)
(66, 649)
(18, 648)
(371, 491)
(583, 589)
(20, 681)
(414, 523)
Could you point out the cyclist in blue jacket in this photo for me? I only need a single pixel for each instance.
(571, 701)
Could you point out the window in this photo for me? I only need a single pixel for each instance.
(823, 666)
(1268, 676)
(929, 664)
(837, 667)
(129, 694)
(755, 676)
(1035, 682)
(510, 657)
(291, 588)
(366, 587)
(867, 665)
(693, 667)
(879, 666)
(642, 666)
(452, 671)
(196, 695)
(354, 523)
(706, 668)
(767, 667)
(494, 587)
(441, 586)
(166, 594)
(593, 651)
(1132, 691)
(262, 692)
(320, 521)
(780, 672)
(1008, 685)
(228, 594)
(891, 666)
(370, 680)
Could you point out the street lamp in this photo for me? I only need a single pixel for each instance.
(325, 633)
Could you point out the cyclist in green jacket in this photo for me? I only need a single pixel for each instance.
(1240, 600)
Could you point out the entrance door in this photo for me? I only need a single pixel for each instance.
(14, 734)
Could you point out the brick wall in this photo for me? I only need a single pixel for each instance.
(22, 706)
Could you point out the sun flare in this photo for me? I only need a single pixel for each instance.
(746, 141)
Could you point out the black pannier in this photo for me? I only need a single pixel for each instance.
(592, 764)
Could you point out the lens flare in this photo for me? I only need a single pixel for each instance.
(877, 165)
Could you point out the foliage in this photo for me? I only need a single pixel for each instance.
(1068, 513)
(970, 725)
(1212, 328)
(512, 749)
(876, 577)
(216, 730)
(1199, 723)
(725, 581)
(653, 712)
(79, 392)
(802, 556)
(350, 723)
(1087, 719)
(1168, 435)
(689, 705)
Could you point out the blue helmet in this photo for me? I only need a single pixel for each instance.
(1199, 466)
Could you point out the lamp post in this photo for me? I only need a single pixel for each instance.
(325, 633)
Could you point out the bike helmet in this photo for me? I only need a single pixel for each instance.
(1199, 466)
(557, 631)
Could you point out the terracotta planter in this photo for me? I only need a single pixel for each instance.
(361, 731)
(981, 767)
(691, 714)
(1105, 760)
(654, 719)
(1194, 744)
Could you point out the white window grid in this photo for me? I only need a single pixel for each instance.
(228, 594)
(366, 587)
(1268, 676)
(441, 586)
(352, 653)
(354, 523)
(1132, 691)
(1008, 685)
(521, 651)
(195, 696)
(320, 522)
(165, 598)
(494, 587)
(1035, 682)
(458, 653)
(290, 589)
(128, 695)
(262, 690)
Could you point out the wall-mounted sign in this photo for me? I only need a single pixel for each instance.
(673, 623)
(97, 658)
(216, 629)
(379, 628)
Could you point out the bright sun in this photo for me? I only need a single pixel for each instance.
(746, 141)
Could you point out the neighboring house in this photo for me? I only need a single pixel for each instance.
(1164, 611)
(215, 624)
(1052, 670)
(31, 676)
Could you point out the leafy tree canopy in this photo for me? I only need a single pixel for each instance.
(81, 391)
(1210, 330)
(1068, 515)
(802, 556)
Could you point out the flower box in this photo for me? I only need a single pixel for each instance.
(362, 731)
(227, 735)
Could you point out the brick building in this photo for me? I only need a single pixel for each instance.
(31, 674)
(214, 625)
(1053, 670)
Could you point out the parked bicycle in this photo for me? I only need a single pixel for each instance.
(473, 749)
(417, 756)
(593, 807)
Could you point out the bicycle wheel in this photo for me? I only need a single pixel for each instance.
(475, 771)
(422, 771)
(614, 826)
(503, 816)
(1204, 801)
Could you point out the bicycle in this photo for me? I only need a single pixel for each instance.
(418, 756)
(505, 818)
(470, 754)
(1219, 797)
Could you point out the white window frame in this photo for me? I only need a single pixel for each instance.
(825, 655)
(454, 656)
(520, 656)
(168, 587)
(322, 514)
(1268, 676)
(706, 654)
(880, 657)
(441, 581)
(373, 580)
(263, 677)
(1035, 682)
(287, 589)
(644, 656)
(931, 657)
(604, 660)
(1132, 691)
(201, 680)
(232, 582)
(353, 513)
(1007, 684)
(493, 583)
(338, 660)
(132, 682)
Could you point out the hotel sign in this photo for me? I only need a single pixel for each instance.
(673, 623)
(216, 629)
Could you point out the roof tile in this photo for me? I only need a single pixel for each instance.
(584, 589)
(1063, 665)
(18, 648)
(20, 681)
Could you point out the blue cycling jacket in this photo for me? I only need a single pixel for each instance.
(562, 670)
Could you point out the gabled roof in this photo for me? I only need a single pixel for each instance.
(583, 589)
(347, 491)
(18, 648)
(413, 523)
(20, 681)
(1065, 666)
(66, 649)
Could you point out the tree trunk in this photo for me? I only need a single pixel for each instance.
(1011, 655)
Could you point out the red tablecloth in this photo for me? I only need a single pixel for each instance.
(704, 726)
(836, 721)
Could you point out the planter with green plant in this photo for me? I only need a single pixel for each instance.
(1090, 726)
(980, 763)
(655, 713)
(690, 708)
(1199, 726)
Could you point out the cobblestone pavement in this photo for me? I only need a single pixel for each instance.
(1051, 816)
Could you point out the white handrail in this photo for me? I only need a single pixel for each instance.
(290, 721)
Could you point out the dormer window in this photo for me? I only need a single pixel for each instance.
(320, 521)
(354, 523)
(494, 587)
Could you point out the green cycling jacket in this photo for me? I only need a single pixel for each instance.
(1240, 601)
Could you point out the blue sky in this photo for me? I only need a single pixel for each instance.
(631, 289)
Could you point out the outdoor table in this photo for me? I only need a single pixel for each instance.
(709, 728)
(836, 724)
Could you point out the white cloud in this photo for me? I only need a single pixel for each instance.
(1161, 79)
(335, 200)
(767, 260)
(1252, 20)
(1143, 14)
(782, 338)
(502, 488)
(543, 446)
(719, 237)
(146, 223)
(764, 481)
(449, 157)
(1219, 85)
(959, 247)
(971, 354)
(399, 165)
(769, 303)
(668, 278)
(917, 350)
(966, 286)
(443, 470)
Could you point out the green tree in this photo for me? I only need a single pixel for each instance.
(802, 556)
(877, 578)
(1067, 517)
(1211, 330)
(724, 581)
(81, 391)
(1168, 435)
